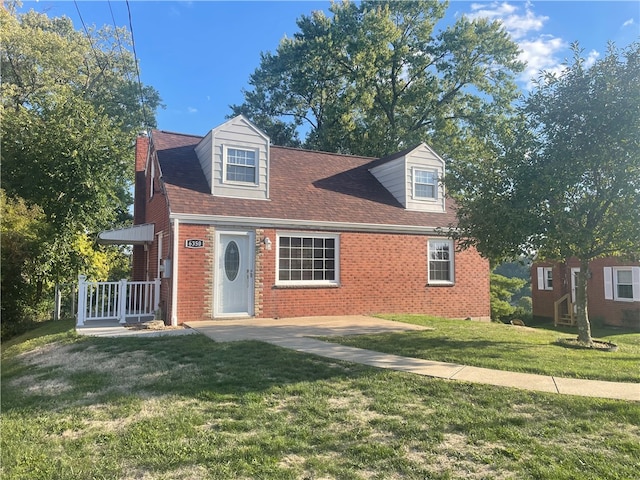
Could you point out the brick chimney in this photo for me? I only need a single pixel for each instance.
(139, 202)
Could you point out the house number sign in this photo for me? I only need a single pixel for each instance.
(194, 243)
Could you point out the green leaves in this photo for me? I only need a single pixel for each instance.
(70, 113)
(378, 76)
(566, 180)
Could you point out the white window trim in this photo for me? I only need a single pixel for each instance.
(310, 283)
(452, 259)
(413, 184)
(611, 283)
(542, 278)
(225, 149)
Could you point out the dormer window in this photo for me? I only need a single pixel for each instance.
(240, 165)
(425, 184)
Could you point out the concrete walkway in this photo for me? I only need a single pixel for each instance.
(293, 334)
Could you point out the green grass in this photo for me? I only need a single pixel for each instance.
(186, 407)
(505, 347)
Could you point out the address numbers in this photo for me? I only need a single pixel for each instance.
(194, 243)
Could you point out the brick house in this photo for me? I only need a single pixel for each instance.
(237, 227)
(613, 291)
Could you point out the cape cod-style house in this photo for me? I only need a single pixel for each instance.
(229, 226)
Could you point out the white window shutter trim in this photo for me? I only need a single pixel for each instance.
(608, 283)
(636, 283)
(540, 278)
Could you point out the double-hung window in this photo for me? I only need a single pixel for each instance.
(441, 262)
(545, 278)
(425, 184)
(241, 165)
(308, 259)
(622, 283)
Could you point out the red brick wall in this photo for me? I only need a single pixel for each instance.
(379, 273)
(382, 273)
(139, 256)
(195, 273)
(156, 212)
(609, 311)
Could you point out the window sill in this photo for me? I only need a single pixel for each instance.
(304, 286)
(441, 284)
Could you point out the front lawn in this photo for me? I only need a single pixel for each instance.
(506, 347)
(189, 408)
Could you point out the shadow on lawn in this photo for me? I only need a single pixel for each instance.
(93, 370)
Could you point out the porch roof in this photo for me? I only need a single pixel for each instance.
(134, 235)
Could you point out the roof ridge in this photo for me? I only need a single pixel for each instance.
(322, 152)
(176, 133)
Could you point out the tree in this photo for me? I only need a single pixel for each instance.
(70, 110)
(501, 292)
(24, 233)
(566, 182)
(376, 77)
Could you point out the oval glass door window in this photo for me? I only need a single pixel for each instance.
(231, 261)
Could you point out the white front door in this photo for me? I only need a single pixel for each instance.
(234, 275)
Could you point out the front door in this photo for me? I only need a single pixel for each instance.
(234, 275)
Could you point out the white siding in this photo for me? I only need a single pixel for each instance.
(392, 176)
(205, 156)
(397, 177)
(237, 133)
(425, 159)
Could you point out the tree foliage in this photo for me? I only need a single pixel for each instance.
(70, 111)
(566, 181)
(501, 293)
(378, 76)
(24, 233)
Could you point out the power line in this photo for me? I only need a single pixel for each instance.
(115, 30)
(86, 31)
(135, 55)
(135, 59)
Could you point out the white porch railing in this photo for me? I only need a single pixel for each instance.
(116, 300)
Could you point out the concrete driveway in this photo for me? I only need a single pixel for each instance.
(294, 333)
(268, 329)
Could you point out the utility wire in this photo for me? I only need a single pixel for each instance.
(86, 31)
(119, 40)
(135, 58)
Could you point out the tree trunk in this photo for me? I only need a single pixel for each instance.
(584, 326)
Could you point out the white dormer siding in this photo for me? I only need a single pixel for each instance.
(414, 179)
(235, 160)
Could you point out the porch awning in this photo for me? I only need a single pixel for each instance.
(135, 235)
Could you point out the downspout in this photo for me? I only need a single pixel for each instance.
(174, 274)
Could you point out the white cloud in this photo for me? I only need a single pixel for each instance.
(591, 58)
(517, 24)
(539, 51)
(628, 23)
(192, 110)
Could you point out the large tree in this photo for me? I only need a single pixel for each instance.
(71, 109)
(566, 182)
(378, 76)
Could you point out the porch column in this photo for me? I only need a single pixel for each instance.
(156, 294)
(122, 300)
(174, 273)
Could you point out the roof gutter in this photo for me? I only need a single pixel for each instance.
(232, 221)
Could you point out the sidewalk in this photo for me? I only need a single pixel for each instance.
(293, 334)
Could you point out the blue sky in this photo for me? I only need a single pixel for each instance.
(199, 54)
